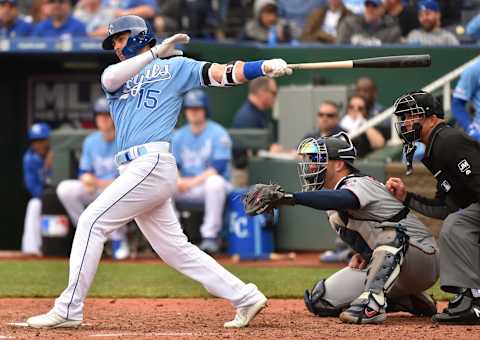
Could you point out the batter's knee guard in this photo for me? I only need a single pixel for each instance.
(384, 267)
(316, 304)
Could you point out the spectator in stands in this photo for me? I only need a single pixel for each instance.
(199, 19)
(38, 11)
(266, 26)
(168, 18)
(11, 25)
(321, 25)
(430, 33)
(467, 92)
(61, 23)
(374, 28)
(298, 10)
(143, 8)
(97, 171)
(355, 117)
(37, 164)
(406, 15)
(95, 16)
(328, 120)
(203, 151)
(255, 112)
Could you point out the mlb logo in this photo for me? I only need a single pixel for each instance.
(464, 166)
(446, 186)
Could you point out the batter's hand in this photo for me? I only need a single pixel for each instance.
(357, 262)
(167, 47)
(274, 68)
(397, 188)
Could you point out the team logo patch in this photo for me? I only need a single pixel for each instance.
(446, 186)
(464, 166)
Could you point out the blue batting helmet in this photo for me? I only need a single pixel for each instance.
(196, 98)
(38, 131)
(141, 34)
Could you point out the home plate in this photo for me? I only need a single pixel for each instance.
(18, 324)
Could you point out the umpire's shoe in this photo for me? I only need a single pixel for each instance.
(365, 309)
(246, 314)
(52, 320)
(463, 309)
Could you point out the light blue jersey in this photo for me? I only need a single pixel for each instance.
(146, 108)
(196, 153)
(98, 157)
(468, 87)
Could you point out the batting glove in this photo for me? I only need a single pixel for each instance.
(274, 68)
(167, 47)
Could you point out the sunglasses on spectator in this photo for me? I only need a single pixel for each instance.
(327, 114)
(358, 108)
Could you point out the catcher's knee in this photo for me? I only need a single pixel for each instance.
(387, 258)
(316, 304)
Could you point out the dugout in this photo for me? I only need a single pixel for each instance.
(55, 81)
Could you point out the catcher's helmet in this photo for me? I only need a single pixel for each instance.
(410, 109)
(38, 131)
(141, 34)
(315, 154)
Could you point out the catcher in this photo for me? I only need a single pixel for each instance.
(397, 256)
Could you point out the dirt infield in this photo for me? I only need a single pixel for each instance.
(203, 318)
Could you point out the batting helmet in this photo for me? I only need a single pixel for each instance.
(38, 131)
(141, 34)
(410, 109)
(315, 154)
(196, 98)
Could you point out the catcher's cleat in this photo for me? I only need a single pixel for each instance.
(463, 309)
(52, 320)
(364, 310)
(421, 304)
(246, 314)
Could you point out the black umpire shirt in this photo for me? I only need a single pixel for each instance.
(454, 160)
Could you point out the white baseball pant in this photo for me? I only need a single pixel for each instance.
(213, 193)
(143, 192)
(75, 198)
(32, 228)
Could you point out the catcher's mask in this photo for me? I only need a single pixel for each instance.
(312, 165)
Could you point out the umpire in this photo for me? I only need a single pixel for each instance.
(454, 160)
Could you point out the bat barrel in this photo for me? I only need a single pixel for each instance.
(423, 60)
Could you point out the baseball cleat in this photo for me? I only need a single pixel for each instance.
(463, 309)
(52, 320)
(246, 314)
(364, 310)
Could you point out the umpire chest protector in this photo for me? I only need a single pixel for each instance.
(454, 160)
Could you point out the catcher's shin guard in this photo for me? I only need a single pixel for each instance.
(316, 304)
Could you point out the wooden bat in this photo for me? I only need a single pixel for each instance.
(398, 61)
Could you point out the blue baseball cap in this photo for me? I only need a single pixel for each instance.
(38, 131)
(428, 5)
(100, 105)
(373, 2)
(195, 98)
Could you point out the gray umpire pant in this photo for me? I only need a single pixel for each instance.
(419, 272)
(460, 250)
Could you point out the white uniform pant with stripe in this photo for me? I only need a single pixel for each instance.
(143, 192)
(32, 228)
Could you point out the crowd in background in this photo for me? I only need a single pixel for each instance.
(357, 22)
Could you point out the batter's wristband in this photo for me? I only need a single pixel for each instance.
(253, 69)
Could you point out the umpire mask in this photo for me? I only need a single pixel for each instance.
(312, 165)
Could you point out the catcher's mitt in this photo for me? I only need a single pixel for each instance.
(265, 197)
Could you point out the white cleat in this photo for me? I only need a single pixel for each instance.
(52, 320)
(246, 314)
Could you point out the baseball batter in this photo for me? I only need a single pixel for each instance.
(397, 256)
(145, 97)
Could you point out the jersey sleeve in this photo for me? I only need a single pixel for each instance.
(222, 147)
(86, 160)
(189, 74)
(361, 189)
(468, 83)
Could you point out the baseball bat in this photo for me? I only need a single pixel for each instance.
(397, 61)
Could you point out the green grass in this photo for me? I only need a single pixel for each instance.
(48, 279)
